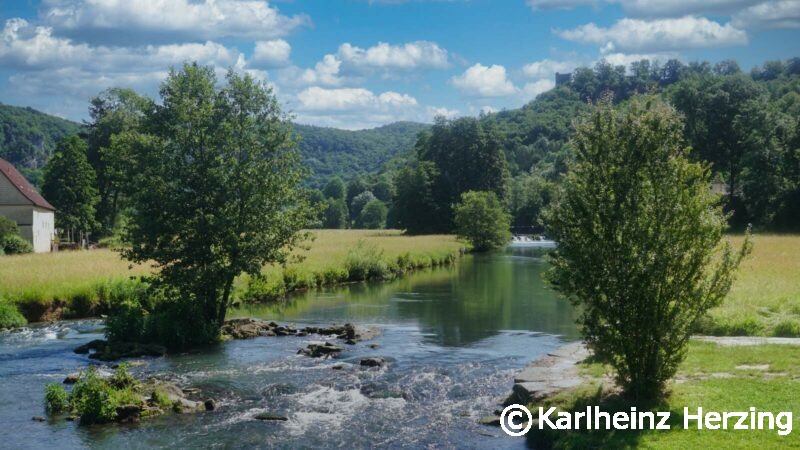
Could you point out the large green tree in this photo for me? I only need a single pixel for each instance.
(467, 156)
(640, 241)
(723, 113)
(215, 193)
(335, 189)
(414, 206)
(69, 185)
(113, 112)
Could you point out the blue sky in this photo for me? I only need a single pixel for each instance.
(363, 63)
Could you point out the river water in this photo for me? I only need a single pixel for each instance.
(454, 337)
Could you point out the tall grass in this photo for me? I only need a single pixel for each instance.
(765, 298)
(79, 284)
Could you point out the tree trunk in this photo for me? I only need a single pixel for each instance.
(223, 306)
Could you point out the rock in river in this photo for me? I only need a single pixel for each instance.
(374, 361)
(316, 350)
(269, 416)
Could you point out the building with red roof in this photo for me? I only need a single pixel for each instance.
(22, 203)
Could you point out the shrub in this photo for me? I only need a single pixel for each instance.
(7, 227)
(82, 303)
(261, 288)
(14, 244)
(56, 399)
(640, 242)
(332, 275)
(161, 398)
(92, 399)
(295, 278)
(173, 323)
(481, 219)
(365, 262)
(126, 321)
(10, 317)
(122, 378)
(157, 315)
(787, 328)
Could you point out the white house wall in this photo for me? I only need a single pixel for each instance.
(36, 225)
(43, 230)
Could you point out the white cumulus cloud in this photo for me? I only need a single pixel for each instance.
(537, 87)
(780, 14)
(356, 108)
(484, 81)
(411, 55)
(317, 99)
(324, 72)
(634, 35)
(274, 53)
(547, 68)
(651, 8)
(47, 66)
(103, 20)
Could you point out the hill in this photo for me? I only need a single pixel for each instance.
(28, 138)
(329, 151)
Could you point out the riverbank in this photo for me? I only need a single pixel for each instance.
(729, 375)
(81, 284)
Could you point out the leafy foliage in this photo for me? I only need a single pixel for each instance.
(639, 236)
(56, 399)
(10, 317)
(365, 262)
(373, 215)
(15, 244)
(7, 227)
(215, 193)
(335, 189)
(481, 219)
(414, 207)
(466, 155)
(69, 184)
(335, 215)
(10, 241)
(114, 113)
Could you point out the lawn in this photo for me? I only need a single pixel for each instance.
(765, 299)
(716, 378)
(62, 277)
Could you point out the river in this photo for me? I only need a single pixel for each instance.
(454, 337)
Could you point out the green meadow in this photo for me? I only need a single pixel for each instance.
(79, 283)
(715, 377)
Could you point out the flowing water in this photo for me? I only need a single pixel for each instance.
(454, 337)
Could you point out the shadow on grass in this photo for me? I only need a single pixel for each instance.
(610, 403)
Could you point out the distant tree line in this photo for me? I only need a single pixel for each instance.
(746, 127)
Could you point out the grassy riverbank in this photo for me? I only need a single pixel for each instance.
(714, 377)
(74, 284)
(765, 299)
